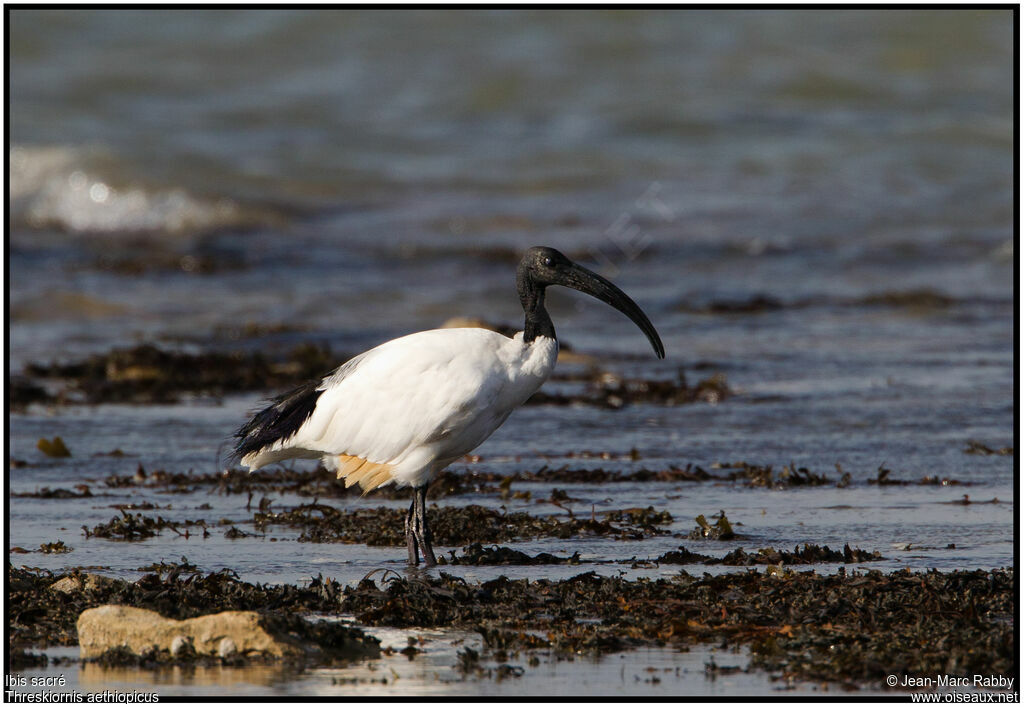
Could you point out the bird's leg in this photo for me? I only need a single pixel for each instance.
(410, 532)
(422, 531)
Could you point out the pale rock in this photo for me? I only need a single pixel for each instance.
(91, 582)
(140, 630)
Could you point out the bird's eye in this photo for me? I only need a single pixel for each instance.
(547, 261)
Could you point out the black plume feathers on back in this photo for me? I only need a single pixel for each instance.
(279, 420)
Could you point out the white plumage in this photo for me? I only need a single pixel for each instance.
(401, 412)
(418, 402)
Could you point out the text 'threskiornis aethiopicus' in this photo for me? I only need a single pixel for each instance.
(403, 411)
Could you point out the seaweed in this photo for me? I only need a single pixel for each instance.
(55, 548)
(720, 530)
(477, 554)
(129, 526)
(883, 478)
(806, 555)
(976, 447)
(455, 525)
(53, 448)
(756, 475)
(20, 659)
(81, 491)
(682, 556)
(167, 567)
(22, 392)
(148, 374)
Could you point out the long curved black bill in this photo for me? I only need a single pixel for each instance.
(579, 278)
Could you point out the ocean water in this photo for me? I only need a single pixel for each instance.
(248, 180)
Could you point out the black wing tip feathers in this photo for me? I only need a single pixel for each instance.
(278, 421)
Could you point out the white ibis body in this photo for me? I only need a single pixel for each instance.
(403, 411)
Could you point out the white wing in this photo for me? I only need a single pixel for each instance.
(417, 400)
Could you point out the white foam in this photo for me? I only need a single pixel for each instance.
(59, 187)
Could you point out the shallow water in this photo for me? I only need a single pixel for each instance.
(646, 672)
(252, 180)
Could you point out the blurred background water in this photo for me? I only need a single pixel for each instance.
(818, 204)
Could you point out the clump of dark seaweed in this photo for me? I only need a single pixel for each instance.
(682, 556)
(467, 660)
(162, 567)
(234, 533)
(721, 529)
(807, 555)
(761, 476)
(976, 447)
(643, 517)
(477, 554)
(883, 478)
(334, 640)
(22, 392)
(143, 506)
(147, 374)
(55, 548)
(20, 659)
(81, 491)
(135, 526)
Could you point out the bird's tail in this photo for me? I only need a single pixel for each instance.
(272, 427)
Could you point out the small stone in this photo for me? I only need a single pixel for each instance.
(181, 646)
(227, 648)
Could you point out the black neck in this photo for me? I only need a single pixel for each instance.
(538, 322)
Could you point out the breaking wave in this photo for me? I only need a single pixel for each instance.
(68, 189)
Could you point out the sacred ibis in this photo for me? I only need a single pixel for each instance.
(403, 411)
